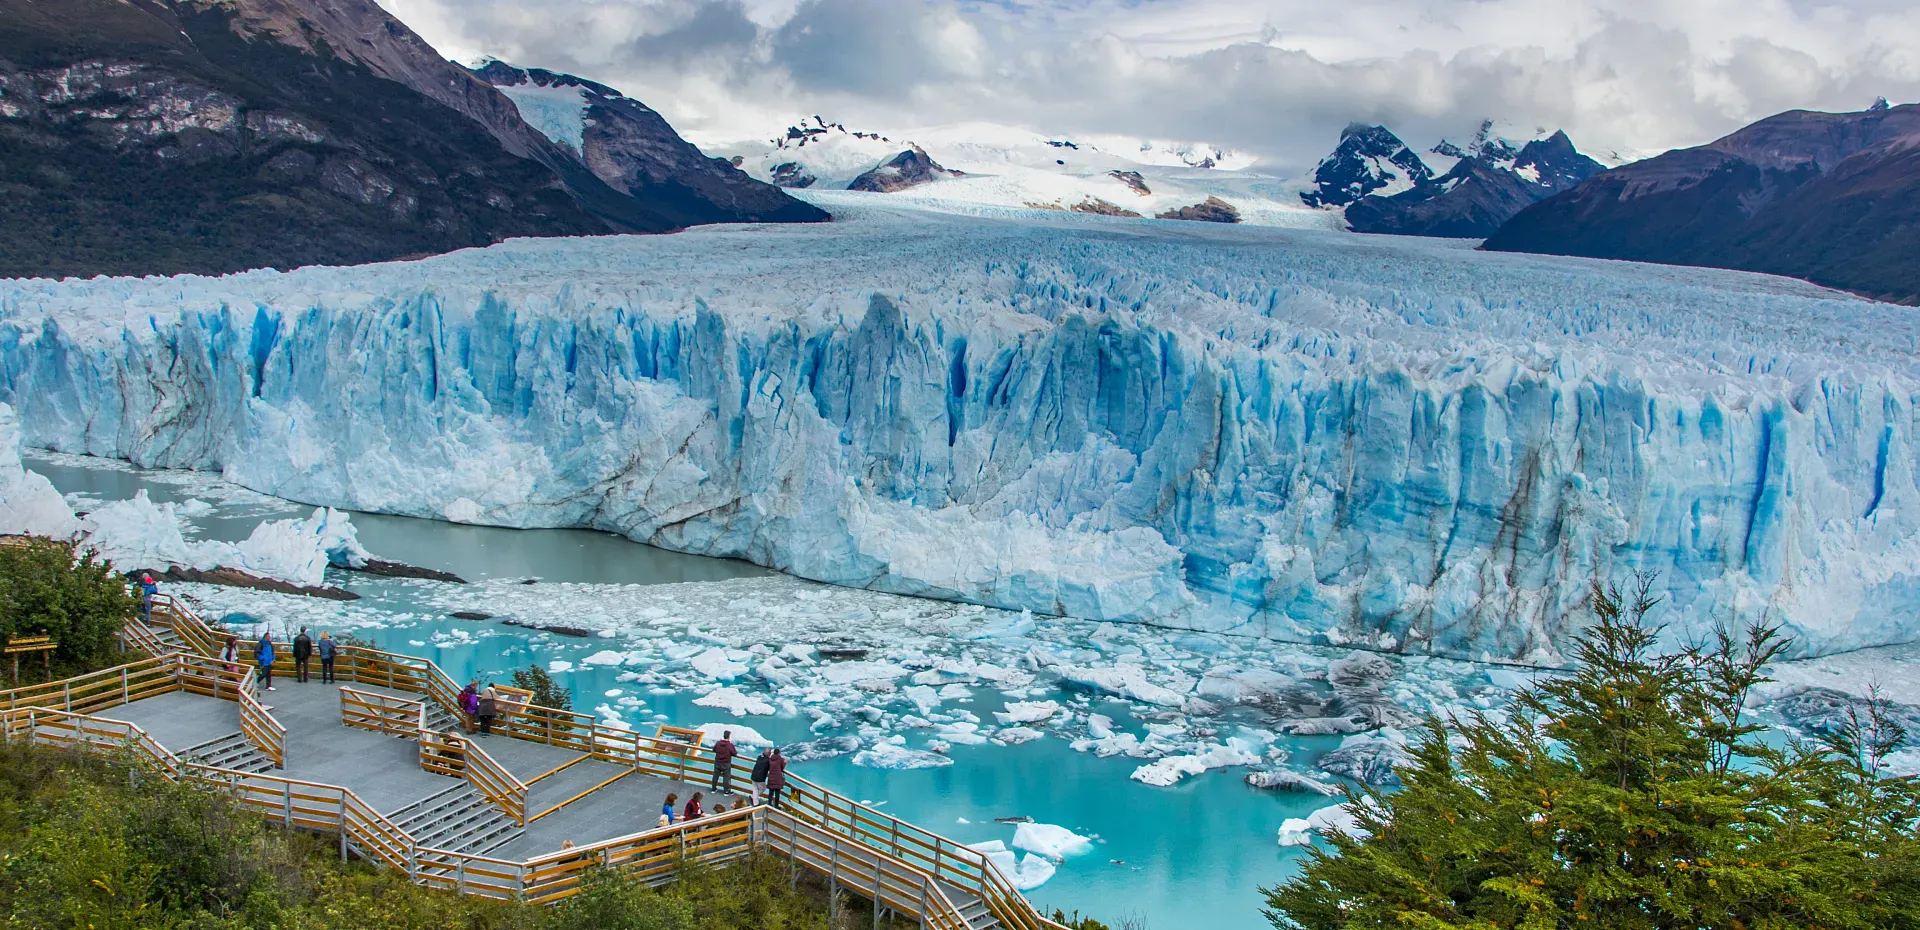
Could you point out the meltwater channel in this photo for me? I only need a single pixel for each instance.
(1192, 855)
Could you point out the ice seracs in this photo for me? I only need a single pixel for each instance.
(1395, 444)
(29, 505)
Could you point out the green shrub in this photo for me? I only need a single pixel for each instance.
(46, 586)
(1631, 793)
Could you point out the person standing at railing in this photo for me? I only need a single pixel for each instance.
(148, 588)
(469, 701)
(263, 654)
(723, 753)
(302, 654)
(327, 648)
(489, 705)
(761, 767)
(776, 777)
(230, 654)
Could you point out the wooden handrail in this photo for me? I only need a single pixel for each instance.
(942, 859)
(265, 733)
(488, 777)
(381, 713)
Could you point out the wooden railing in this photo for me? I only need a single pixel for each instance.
(204, 676)
(885, 880)
(265, 733)
(195, 632)
(945, 860)
(460, 757)
(381, 713)
(139, 637)
(98, 690)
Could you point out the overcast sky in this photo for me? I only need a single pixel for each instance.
(1277, 78)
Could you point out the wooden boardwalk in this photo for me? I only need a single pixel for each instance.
(380, 759)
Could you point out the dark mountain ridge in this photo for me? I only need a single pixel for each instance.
(168, 136)
(1830, 197)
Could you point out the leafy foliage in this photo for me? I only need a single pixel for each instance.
(85, 844)
(546, 691)
(48, 587)
(1631, 793)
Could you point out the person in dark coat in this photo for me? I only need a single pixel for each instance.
(263, 654)
(694, 811)
(302, 653)
(723, 753)
(328, 649)
(489, 706)
(761, 767)
(776, 777)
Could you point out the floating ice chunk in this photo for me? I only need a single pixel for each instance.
(798, 652)
(1293, 832)
(924, 698)
(715, 664)
(1370, 759)
(1099, 726)
(846, 673)
(886, 755)
(1014, 736)
(1170, 770)
(1241, 686)
(1116, 744)
(1031, 712)
(1336, 819)
(742, 735)
(965, 734)
(1053, 842)
(1024, 874)
(678, 651)
(193, 507)
(605, 657)
(1128, 681)
(733, 700)
(559, 665)
(1289, 780)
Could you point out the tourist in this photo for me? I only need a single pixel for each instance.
(148, 588)
(666, 810)
(469, 702)
(761, 767)
(302, 653)
(327, 649)
(231, 654)
(723, 753)
(263, 654)
(776, 777)
(694, 810)
(489, 704)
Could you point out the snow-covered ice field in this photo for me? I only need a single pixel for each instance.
(1291, 434)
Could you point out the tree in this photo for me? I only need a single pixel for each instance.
(46, 586)
(1631, 793)
(546, 691)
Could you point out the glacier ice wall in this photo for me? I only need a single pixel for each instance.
(1402, 444)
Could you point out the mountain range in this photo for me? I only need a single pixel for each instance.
(1830, 197)
(166, 136)
(1461, 191)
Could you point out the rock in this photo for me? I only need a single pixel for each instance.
(403, 570)
(793, 175)
(841, 653)
(1100, 207)
(1212, 210)
(910, 168)
(549, 627)
(470, 615)
(1134, 180)
(234, 578)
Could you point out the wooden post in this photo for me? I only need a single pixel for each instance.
(123, 684)
(343, 826)
(286, 803)
(833, 881)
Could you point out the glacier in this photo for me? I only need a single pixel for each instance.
(1398, 444)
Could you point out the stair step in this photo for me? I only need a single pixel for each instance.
(459, 819)
(231, 752)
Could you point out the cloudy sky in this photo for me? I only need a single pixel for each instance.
(1277, 78)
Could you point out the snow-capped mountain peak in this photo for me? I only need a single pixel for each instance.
(1369, 160)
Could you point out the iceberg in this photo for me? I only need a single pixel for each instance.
(1025, 873)
(1168, 771)
(1053, 842)
(1402, 445)
(29, 505)
(735, 702)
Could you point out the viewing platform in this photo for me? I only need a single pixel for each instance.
(381, 758)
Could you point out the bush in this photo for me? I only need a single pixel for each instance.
(546, 691)
(47, 586)
(1631, 793)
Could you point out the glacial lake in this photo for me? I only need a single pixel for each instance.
(1192, 856)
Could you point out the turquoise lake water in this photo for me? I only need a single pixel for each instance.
(1189, 857)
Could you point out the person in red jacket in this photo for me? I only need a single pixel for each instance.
(723, 753)
(694, 811)
(776, 777)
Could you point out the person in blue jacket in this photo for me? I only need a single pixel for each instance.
(148, 588)
(264, 655)
(327, 649)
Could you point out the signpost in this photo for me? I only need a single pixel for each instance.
(21, 645)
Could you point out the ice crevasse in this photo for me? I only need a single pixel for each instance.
(1288, 434)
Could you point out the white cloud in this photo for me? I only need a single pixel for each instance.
(1274, 77)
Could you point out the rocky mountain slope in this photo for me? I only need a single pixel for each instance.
(632, 148)
(166, 136)
(1451, 191)
(1830, 197)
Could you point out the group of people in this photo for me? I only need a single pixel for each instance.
(769, 779)
(304, 649)
(481, 705)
